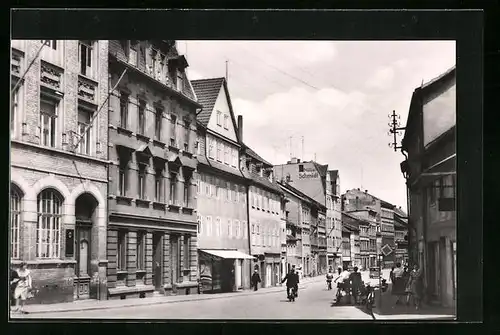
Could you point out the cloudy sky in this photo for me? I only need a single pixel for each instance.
(335, 94)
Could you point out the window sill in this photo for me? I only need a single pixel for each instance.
(140, 271)
(124, 199)
(159, 143)
(159, 205)
(88, 78)
(187, 210)
(124, 131)
(187, 153)
(142, 202)
(173, 148)
(142, 137)
(121, 272)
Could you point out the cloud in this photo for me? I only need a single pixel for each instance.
(382, 78)
(194, 75)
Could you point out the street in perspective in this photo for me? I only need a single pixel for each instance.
(258, 180)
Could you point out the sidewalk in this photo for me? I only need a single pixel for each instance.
(389, 311)
(85, 305)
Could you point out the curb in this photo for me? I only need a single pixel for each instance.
(274, 289)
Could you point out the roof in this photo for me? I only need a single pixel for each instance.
(254, 155)
(322, 169)
(262, 181)
(356, 218)
(300, 194)
(207, 91)
(350, 227)
(438, 78)
(400, 212)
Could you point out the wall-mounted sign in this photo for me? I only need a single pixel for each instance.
(70, 242)
(308, 175)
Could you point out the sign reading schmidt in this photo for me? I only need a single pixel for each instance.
(308, 173)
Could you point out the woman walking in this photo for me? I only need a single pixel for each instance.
(413, 287)
(22, 291)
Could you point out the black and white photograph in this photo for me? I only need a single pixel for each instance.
(234, 179)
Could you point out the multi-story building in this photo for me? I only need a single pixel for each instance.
(265, 213)
(293, 217)
(58, 166)
(401, 236)
(430, 171)
(315, 181)
(152, 229)
(333, 219)
(362, 251)
(387, 233)
(224, 259)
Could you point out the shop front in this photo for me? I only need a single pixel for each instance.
(223, 270)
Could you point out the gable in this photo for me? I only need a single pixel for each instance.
(222, 105)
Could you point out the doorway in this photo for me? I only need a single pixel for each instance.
(82, 256)
(157, 261)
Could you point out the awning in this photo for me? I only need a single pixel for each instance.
(227, 254)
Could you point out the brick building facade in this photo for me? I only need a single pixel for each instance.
(58, 166)
(152, 230)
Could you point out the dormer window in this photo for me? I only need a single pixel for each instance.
(179, 80)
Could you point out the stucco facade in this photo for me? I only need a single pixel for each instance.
(59, 182)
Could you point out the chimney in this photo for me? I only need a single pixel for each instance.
(366, 191)
(240, 127)
(294, 160)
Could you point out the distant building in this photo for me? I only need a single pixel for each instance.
(401, 235)
(223, 243)
(311, 179)
(430, 170)
(152, 229)
(387, 232)
(333, 219)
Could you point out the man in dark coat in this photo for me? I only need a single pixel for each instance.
(255, 279)
(355, 281)
(292, 282)
(14, 278)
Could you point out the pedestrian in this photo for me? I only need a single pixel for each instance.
(292, 282)
(14, 279)
(23, 287)
(398, 283)
(391, 275)
(329, 278)
(255, 279)
(414, 286)
(355, 283)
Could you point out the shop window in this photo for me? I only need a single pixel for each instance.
(187, 252)
(121, 255)
(141, 248)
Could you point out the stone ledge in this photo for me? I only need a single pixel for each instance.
(188, 284)
(128, 290)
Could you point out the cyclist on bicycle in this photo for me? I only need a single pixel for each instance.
(292, 282)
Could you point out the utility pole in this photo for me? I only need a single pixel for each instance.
(395, 130)
(302, 148)
(291, 147)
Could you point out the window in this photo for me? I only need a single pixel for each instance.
(141, 117)
(14, 111)
(121, 255)
(219, 146)
(158, 180)
(200, 224)
(229, 228)
(173, 180)
(187, 183)
(175, 253)
(123, 110)
(187, 133)
(84, 131)
(218, 188)
(50, 43)
(133, 55)
(217, 227)
(209, 225)
(179, 81)
(228, 190)
(141, 251)
(158, 123)
(187, 252)
(211, 148)
(226, 155)
(86, 53)
(235, 157)
(48, 116)
(198, 147)
(142, 181)
(237, 229)
(173, 130)
(122, 178)
(49, 224)
(15, 221)
(219, 114)
(301, 168)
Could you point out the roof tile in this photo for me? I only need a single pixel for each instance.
(207, 91)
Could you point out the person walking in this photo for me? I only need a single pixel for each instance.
(23, 287)
(414, 286)
(398, 283)
(255, 279)
(292, 283)
(355, 283)
(391, 275)
(329, 278)
(14, 279)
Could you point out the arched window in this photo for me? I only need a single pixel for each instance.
(15, 220)
(48, 233)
